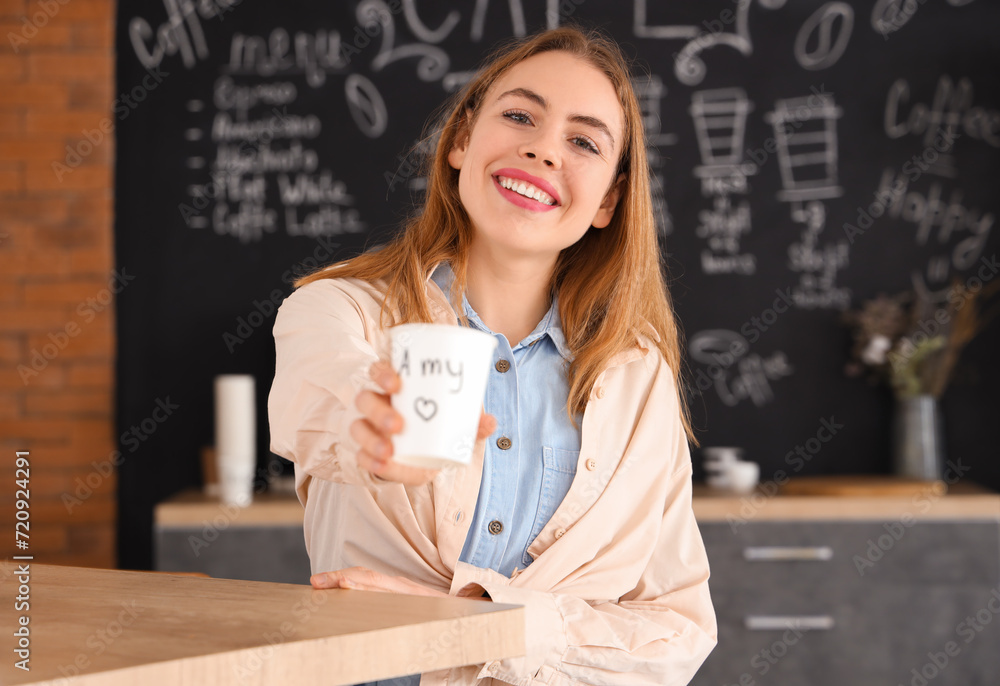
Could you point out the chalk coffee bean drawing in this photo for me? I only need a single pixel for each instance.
(425, 409)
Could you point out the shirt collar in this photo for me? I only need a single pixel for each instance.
(550, 324)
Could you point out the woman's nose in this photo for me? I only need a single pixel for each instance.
(542, 147)
(548, 163)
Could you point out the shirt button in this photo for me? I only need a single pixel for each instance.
(503, 443)
(591, 464)
(560, 532)
(495, 527)
(494, 667)
(502, 366)
(600, 392)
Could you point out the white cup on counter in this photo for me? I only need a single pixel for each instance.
(726, 469)
(743, 476)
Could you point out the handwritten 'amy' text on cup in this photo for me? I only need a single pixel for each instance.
(434, 367)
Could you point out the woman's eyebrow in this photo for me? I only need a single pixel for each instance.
(584, 119)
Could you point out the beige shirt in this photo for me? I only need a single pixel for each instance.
(618, 590)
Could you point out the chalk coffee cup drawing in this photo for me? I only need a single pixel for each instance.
(444, 369)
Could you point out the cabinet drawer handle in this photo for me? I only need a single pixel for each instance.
(781, 553)
(779, 623)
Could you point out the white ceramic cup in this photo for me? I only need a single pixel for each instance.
(722, 453)
(444, 369)
(742, 476)
(718, 458)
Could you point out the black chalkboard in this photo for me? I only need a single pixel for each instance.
(256, 141)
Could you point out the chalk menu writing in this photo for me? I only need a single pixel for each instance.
(264, 175)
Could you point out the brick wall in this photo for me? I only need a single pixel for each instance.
(56, 257)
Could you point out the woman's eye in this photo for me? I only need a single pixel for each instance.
(586, 144)
(522, 117)
(518, 116)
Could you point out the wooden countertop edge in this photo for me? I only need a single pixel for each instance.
(275, 641)
(310, 660)
(210, 513)
(817, 508)
(201, 514)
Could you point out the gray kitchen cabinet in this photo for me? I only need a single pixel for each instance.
(251, 553)
(263, 542)
(854, 602)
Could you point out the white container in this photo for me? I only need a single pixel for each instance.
(742, 476)
(718, 458)
(722, 453)
(444, 369)
(235, 437)
(236, 473)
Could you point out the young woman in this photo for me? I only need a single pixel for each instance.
(537, 229)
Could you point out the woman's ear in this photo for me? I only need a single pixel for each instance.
(456, 156)
(607, 208)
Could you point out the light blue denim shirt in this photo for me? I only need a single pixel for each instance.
(524, 483)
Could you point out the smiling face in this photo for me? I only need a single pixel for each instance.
(536, 170)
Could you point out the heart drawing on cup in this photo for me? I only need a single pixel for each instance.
(425, 408)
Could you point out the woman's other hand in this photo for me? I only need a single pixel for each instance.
(373, 430)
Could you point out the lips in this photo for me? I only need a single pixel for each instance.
(538, 193)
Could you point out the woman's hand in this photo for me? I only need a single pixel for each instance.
(380, 420)
(364, 579)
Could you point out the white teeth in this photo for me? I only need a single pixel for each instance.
(527, 190)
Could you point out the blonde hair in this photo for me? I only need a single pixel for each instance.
(609, 283)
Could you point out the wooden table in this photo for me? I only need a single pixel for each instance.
(91, 627)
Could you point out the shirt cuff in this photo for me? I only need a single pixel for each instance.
(544, 626)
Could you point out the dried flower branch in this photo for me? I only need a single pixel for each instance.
(914, 345)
